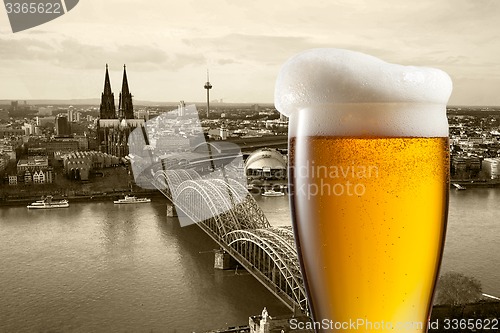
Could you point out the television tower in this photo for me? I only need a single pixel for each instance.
(208, 86)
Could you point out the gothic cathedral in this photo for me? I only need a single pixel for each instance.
(114, 126)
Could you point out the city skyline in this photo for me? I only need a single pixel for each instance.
(168, 46)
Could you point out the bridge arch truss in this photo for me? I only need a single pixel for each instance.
(270, 255)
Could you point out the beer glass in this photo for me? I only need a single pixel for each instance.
(369, 180)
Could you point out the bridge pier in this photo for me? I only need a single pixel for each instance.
(171, 211)
(223, 260)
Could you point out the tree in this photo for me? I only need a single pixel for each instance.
(457, 289)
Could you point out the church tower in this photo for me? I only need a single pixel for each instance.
(125, 106)
(107, 109)
(115, 126)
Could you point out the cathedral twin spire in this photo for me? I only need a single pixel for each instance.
(107, 109)
(125, 107)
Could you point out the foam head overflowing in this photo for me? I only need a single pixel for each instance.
(341, 92)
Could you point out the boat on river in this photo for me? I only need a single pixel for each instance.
(459, 187)
(48, 203)
(272, 193)
(130, 199)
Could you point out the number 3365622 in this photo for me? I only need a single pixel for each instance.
(33, 8)
(471, 324)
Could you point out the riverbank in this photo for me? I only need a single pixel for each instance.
(472, 317)
(476, 183)
(112, 184)
(104, 196)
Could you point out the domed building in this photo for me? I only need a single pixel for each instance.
(266, 163)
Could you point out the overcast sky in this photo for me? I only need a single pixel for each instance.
(168, 46)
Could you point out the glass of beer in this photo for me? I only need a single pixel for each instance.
(369, 180)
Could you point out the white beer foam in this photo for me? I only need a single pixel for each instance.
(341, 92)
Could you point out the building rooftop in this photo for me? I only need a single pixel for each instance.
(38, 161)
(266, 157)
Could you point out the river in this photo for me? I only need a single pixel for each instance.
(99, 267)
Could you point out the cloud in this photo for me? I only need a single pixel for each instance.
(255, 38)
(226, 61)
(71, 53)
(26, 49)
(264, 49)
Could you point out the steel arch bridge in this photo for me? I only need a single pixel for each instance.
(232, 218)
(271, 253)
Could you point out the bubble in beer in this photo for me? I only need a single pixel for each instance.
(351, 93)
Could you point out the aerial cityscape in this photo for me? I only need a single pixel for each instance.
(120, 151)
(42, 143)
(144, 169)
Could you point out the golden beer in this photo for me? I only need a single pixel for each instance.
(369, 173)
(369, 215)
